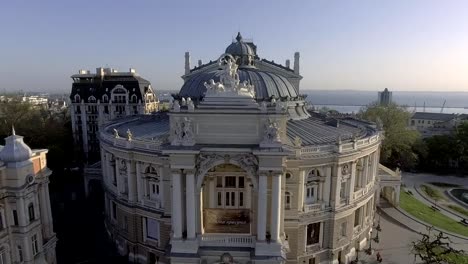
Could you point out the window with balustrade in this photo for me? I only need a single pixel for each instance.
(311, 186)
(287, 200)
(230, 192)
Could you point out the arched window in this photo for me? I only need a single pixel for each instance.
(311, 186)
(105, 98)
(151, 170)
(91, 99)
(119, 94)
(154, 184)
(31, 212)
(134, 99)
(77, 98)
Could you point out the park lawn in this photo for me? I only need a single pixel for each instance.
(426, 214)
(433, 193)
(458, 209)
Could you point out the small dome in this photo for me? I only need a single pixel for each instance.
(240, 49)
(15, 150)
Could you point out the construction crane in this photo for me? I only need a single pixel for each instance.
(443, 105)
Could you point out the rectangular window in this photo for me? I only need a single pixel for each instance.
(233, 198)
(31, 212)
(312, 261)
(357, 215)
(152, 229)
(114, 211)
(35, 248)
(20, 254)
(343, 190)
(230, 182)
(227, 199)
(313, 233)
(219, 181)
(343, 229)
(1, 222)
(241, 182)
(220, 200)
(241, 199)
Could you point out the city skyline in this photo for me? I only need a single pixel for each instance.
(416, 46)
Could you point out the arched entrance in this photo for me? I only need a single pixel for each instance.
(226, 197)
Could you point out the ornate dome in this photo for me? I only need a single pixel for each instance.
(242, 51)
(15, 150)
(266, 84)
(240, 48)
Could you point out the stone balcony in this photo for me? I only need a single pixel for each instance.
(227, 240)
(315, 207)
(313, 248)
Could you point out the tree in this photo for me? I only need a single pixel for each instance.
(432, 249)
(397, 146)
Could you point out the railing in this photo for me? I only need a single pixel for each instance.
(349, 146)
(314, 207)
(227, 240)
(133, 144)
(313, 248)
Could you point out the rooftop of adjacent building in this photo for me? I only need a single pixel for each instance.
(433, 116)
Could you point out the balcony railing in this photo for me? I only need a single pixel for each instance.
(313, 248)
(227, 240)
(316, 207)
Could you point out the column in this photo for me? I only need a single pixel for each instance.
(21, 211)
(300, 195)
(44, 214)
(376, 165)
(177, 204)
(248, 195)
(352, 181)
(49, 210)
(117, 176)
(190, 203)
(84, 128)
(336, 185)
(103, 166)
(212, 193)
(262, 209)
(131, 181)
(327, 187)
(139, 182)
(275, 206)
(365, 171)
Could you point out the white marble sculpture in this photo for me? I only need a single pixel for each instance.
(271, 136)
(176, 106)
(129, 135)
(229, 84)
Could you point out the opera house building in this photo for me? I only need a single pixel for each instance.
(240, 171)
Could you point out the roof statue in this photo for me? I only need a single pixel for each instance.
(229, 84)
(129, 135)
(116, 133)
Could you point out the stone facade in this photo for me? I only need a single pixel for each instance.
(240, 175)
(26, 231)
(98, 98)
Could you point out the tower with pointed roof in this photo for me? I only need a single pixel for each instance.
(26, 231)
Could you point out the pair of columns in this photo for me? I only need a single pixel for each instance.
(275, 208)
(177, 202)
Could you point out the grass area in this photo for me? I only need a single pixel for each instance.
(444, 185)
(433, 193)
(458, 209)
(419, 210)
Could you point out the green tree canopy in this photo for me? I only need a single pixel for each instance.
(397, 146)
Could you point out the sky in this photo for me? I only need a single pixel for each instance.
(361, 45)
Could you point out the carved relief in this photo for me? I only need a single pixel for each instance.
(247, 162)
(271, 134)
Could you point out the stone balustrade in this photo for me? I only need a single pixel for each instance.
(344, 147)
(227, 240)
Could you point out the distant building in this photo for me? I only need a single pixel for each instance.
(385, 97)
(26, 231)
(106, 95)
(431, 124)
(36, 100)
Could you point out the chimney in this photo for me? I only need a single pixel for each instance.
(199, 63)
(187, 62)
(296, 62)
(288, 64)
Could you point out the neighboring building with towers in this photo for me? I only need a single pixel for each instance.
(26, 227)
(97, 98)
(385, 97)
(239, 171)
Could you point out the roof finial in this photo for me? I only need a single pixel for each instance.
(13, 130)
(239, 37)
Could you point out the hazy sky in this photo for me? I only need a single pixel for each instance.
(366, 45)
